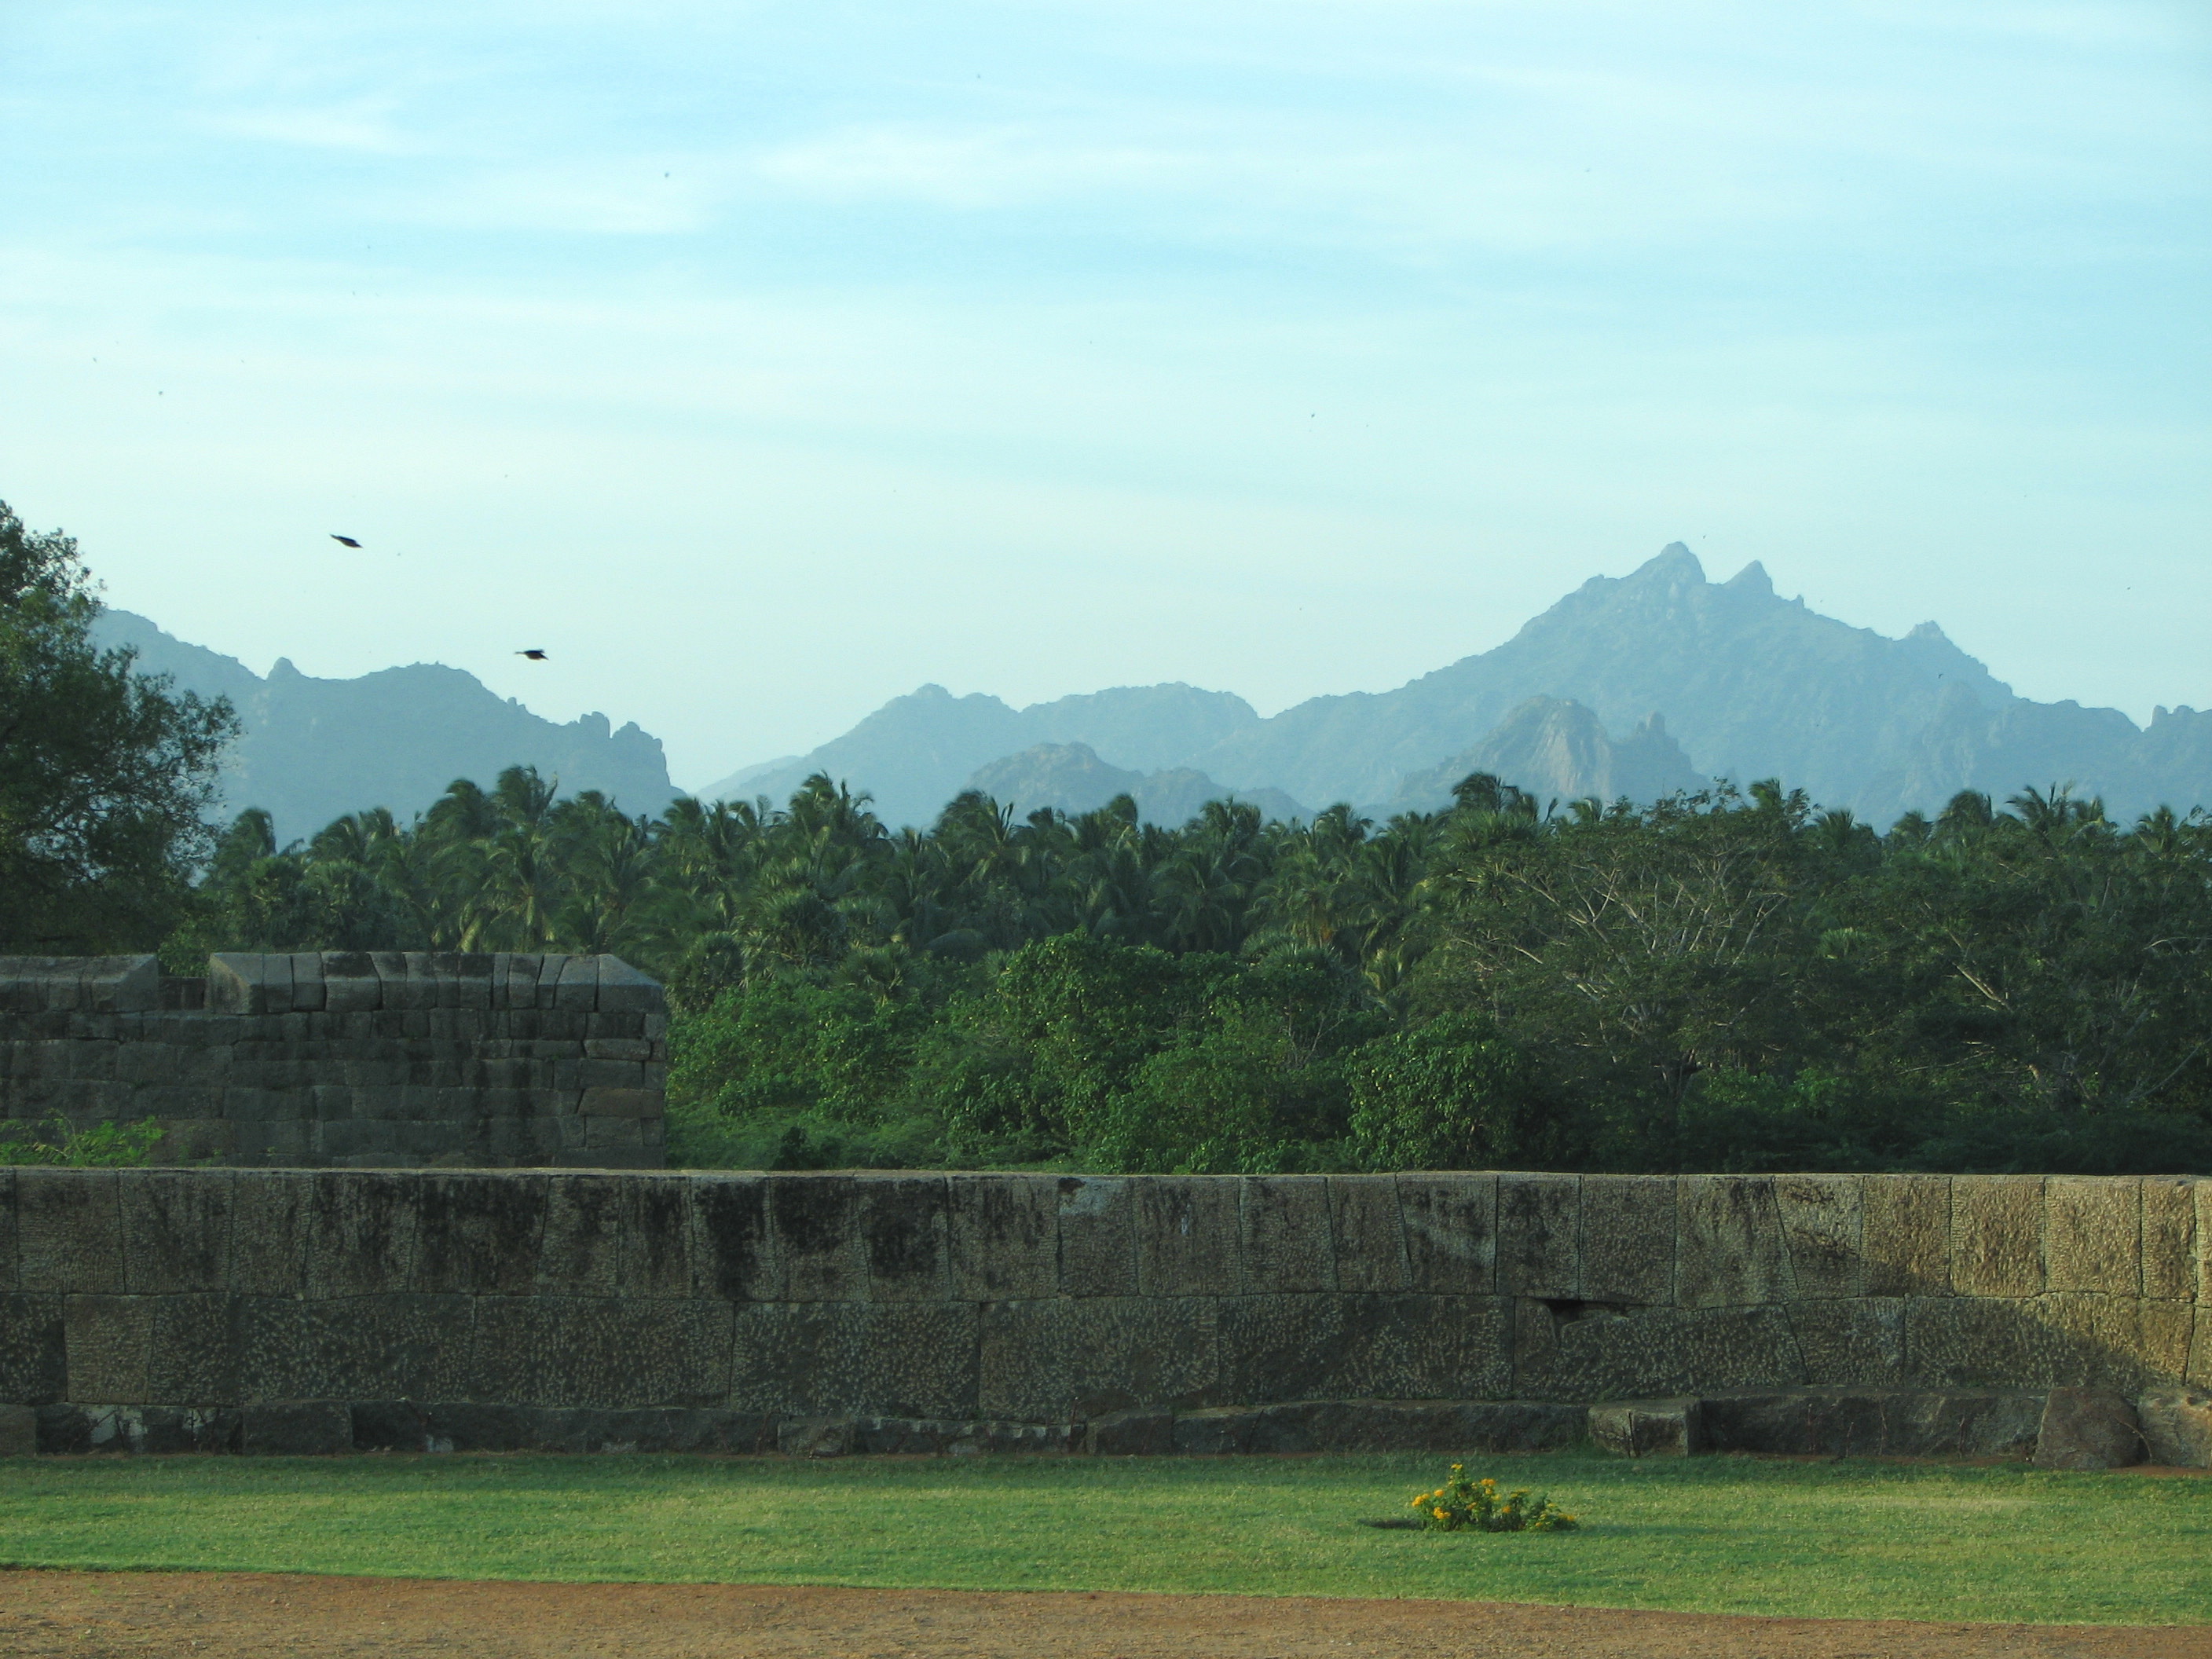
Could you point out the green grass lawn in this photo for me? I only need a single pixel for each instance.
(1711, 1535)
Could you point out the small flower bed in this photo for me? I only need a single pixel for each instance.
(1462, 1504)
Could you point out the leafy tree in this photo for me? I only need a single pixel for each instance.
(105, 775)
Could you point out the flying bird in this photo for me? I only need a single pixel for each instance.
(534, 656)
(343, 541)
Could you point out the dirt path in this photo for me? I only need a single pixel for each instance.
(234, 1615)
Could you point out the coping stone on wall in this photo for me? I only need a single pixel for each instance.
(1368, 1233)
(1539, 1235)
(1824, 1230)
(1730, 1248)
(1628, 1239)
(1098, 1236)
(2169, 1226)
(2093, 1234)
(1996, 1235)
(1451, 1233)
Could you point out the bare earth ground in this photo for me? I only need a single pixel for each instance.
(233, 1615)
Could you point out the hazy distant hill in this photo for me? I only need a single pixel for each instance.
(918, 751)
(315, 750)
(1071, 777)
(1747, 685)
(1557, 750)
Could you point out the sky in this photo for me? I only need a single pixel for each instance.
(761, 362)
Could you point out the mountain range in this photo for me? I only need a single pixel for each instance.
(313, 749)
(1633, 686)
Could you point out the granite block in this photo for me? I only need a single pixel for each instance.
(1628, 1239)
(1824, 1231)
(69, 1231)
(1098, 1236)
(2092, 1234)
(1451, 1233)
(1368, 1234)
(1540, 1235)
(1996, 1235)
(1187, 1241)
(904, 1230)
(1728, 1246)
(1005, 1237)
(1285, 1234)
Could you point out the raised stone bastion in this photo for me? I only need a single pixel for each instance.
(283, 1310)
(345, 1058)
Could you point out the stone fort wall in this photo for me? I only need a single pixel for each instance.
(328, 1309)
(345, 1058)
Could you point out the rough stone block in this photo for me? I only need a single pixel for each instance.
(1005, 1237)
(19, 1430)
(270, 1226)
(610, 1352)
(1906, 1236)
(1989, 1342)
(631, 1103)
(350, 985)
(579, 989)
(1070, 1359)
(733, 1241)
(109, 1339)
(34, 1349)
(308, 983)
(1628, 1239)
(1130, 1434)
(1451, 1233)
(192, 1358)
(1188, 1237)
(1996, 1235)
(1728, 1245)
(10, 1257)
(1540, 1235)
(1646, 1428)
(2092, 1233)
(655, 1236)
(295, 1428)
(131, 1428)
(932, 1437)
(1368, 1234)
(1851, 1343)
(1284, 1223)
(814, 1436)
(1824, 1231)
(479, 1232)
(1592, 1353)
(363, 1233)
(904, 1233)
(2088, 1429)
(2169, 1238)
(2177, 1426)
(1098, 1236)
(249, 984)
(885, 1359)
(623, 990)
(817, 1242)
(397, 1346)
(176, 1229)
(69, 1231)
(1507, 1427)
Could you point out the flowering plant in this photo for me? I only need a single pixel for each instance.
(1461, 1505)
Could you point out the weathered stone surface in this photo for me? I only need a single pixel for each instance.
(1996, 1235)
(1595, 1354)
(733, 1242)
(817, 1244)
(1647, 1428)
(2088, 1429)
(1823, 1231)
(362, 1230)
(77, 1429)
(395, 1346)
(2177, 1426)
(1005, 1237)
(904, 1233)
(1072, 1359)
(69, 1231)
(909, 1437)
(1852, 1342)
(109, 1340)
(1986, 1342)
(34, 1349)
(2169, 1240)
(656, 1234)
(271, 1222)
(892, 1359)
(1130, 1434)
(19, 1430)
(1493, 1427)
(480, 1233)
(1628, 1239)
(1907, 1234)
(295, 1428)
(814, 1436)
(1451, 1233)
(602, 1352)
(1285, 1234)
(2093, 1233)
(193, 1358)
(1728, 1251)
(1098, 1236)
(176, 1229)
(1188, 1237)
(1540, 1235)
(1370, 1237)
(10, 1256)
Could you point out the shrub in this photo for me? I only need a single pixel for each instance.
(1464, 1505)
(104, 1145)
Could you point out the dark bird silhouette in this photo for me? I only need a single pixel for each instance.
(343, 541)
(534, 656)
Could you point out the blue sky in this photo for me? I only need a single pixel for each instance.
(762, 361)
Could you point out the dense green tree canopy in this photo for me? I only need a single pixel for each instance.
(105, 775)
(1719, 980)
